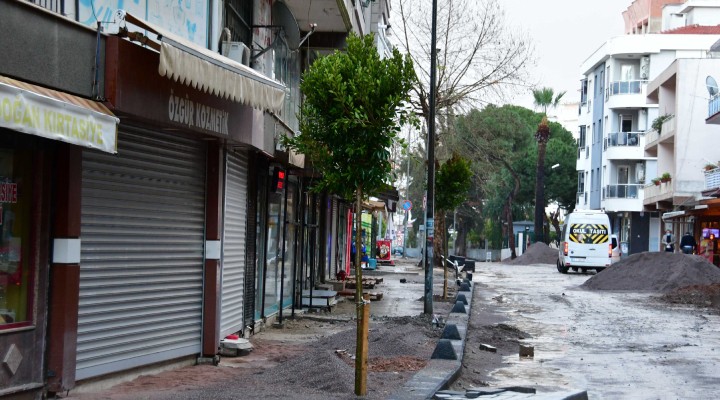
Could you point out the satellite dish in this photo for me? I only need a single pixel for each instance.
(712, 86)
(282, 16)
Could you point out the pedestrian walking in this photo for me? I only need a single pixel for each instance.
(688, 243)
(669, 241)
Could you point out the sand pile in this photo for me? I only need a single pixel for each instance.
(657, 271)
(537, 253)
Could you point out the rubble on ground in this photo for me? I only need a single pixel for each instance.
(655, 271)
(537, 253)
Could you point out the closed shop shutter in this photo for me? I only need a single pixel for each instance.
(142, 250)
(234, 257)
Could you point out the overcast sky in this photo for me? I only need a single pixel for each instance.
(565, 33)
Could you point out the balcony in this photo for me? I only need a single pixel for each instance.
(623, 139)
(622, 191)
(626, 94)
(624, 146)
(712, 178)
(714, 110)
(56, 6)
(624, 87)
(657, 193)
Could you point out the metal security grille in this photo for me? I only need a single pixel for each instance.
(234, 238)
(142, 253)
(589, 233)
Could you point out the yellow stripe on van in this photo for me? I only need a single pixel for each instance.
(589, 233)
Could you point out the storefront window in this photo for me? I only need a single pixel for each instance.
(15, 204)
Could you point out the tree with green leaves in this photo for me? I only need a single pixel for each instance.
(452, 183)
(544, 98)
(353, 109)
(497, 138)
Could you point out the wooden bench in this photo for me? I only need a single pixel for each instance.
(320, 298)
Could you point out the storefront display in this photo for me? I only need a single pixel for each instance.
(15, 204)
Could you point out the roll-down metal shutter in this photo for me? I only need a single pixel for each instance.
(233, 265)
(142, 249)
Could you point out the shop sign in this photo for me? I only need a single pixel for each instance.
(39, 115)
(184, 111)
(8, 193)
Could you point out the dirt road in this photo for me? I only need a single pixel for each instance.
(612, 344)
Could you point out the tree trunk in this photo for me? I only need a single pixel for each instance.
(510, 231)
(439, 239)
(360, 360)
(461, 241)
(540, 193)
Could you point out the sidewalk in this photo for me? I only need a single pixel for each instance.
(402, 287)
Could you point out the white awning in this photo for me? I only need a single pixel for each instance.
(203, 69)
(56, 115)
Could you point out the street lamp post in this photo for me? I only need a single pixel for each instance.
(429, 215)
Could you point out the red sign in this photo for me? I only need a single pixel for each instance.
(279, 180)
(384, 249)
(8, 192)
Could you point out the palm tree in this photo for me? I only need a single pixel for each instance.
(544, 98)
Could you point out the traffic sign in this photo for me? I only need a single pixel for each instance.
(407, 205)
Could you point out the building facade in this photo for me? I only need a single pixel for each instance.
(613, 167)
(148, 208)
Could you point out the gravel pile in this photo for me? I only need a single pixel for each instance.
(537, 253)
(655, 271)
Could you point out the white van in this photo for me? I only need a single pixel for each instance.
(585, 242)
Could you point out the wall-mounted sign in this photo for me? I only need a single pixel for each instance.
(38, 114)
(8, 192)
(278, 179)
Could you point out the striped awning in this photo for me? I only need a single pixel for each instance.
(203, 69)
(52, 114)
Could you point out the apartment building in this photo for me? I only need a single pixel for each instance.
(148, 209)
(684, 147)
(613, 167)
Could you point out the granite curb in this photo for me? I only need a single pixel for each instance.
(442, 369)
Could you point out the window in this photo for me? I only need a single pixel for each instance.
(16, 202)
(581, 137)
(583, 91)
(581, 182)
(238, 17)
(627, 73)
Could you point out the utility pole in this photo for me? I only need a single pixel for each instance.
(430, 212)
(407, 196)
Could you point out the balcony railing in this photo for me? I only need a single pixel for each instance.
(622, 191)
(57, 6)
(623, 139)
(712, 178)
(714, 105)
(624, 87)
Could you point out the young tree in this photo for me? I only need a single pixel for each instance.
(544, 98)
(452, 183)
(350, 117)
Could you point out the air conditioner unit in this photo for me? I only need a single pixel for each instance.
(640, 172)
(645, 68)
(237, 51)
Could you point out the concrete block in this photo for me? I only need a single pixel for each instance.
(459, 308)
(451, 332)
(464, 287)
(487, 347)
(461, 298)
(444, 350)
(527, 351)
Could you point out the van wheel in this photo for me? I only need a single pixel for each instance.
(561, 269)
(599, 270)
(576, 269)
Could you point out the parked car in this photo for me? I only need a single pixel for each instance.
(398, 251)
(585, 243)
